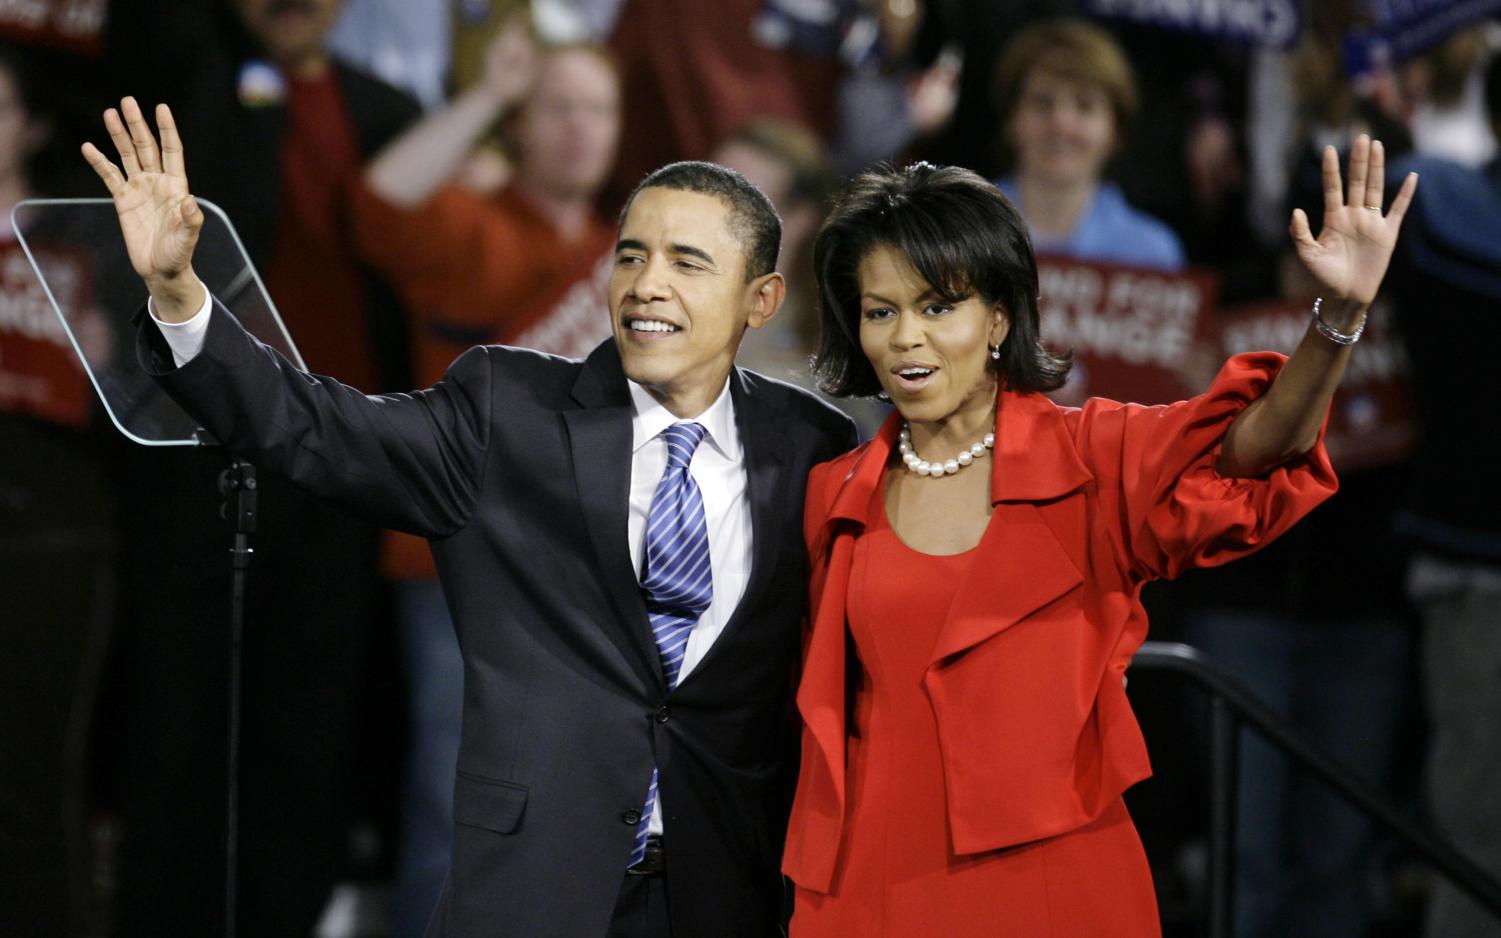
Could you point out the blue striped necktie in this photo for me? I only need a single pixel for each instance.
(676, 576)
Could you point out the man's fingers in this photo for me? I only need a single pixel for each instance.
(121, 139)
(172, 158)
(1360, 155)
(107, 171)
(1404, 198)
(192, 214)
(140, 136)
(1333, 200)
(1375, 186)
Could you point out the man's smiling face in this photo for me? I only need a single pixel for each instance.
(679, 298)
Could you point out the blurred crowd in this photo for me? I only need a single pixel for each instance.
(413, 177)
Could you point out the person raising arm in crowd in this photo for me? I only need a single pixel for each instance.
(617, 538)
(977, 567)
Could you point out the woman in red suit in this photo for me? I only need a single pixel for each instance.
(977, 566)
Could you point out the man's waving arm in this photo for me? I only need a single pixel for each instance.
(409, 461)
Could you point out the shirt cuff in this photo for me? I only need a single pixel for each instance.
(185, 338)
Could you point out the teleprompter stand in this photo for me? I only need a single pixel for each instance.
(78, 255)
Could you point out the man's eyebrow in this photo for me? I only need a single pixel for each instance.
(688, 250)
(691, 251)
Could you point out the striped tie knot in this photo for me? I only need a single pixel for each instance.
(682, 439)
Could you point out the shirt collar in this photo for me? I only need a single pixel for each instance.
(652, 418)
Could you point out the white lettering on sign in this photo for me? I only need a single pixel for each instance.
(580, 321)
(1138, 317)
(70, 18)
(24, 307)
(1379, 356)
(1266, 22)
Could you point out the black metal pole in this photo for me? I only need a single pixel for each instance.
(1224, 756)
(237, 485)
(1215, 679)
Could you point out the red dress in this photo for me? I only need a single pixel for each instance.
(897, 873)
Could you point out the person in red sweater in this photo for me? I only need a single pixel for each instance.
(527, 265)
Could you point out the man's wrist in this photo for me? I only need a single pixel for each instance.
(177, 298)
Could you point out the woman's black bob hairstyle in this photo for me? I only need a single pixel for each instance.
(962, 236)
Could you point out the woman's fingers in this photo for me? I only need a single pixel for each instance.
(140, 136)
(1404, 198)
(1360, 154)
(172, 158)
(108, 172)
(1333, 200)
(1302, 234)
(126, 147)
(1376, 180)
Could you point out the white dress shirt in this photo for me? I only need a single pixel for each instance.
(185, 339)
(718, 466)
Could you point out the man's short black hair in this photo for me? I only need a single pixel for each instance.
(753, 219)
(962, 236)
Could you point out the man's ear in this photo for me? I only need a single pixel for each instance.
(765, 295)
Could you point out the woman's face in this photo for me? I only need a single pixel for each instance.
(930, 356)
(1063, 130)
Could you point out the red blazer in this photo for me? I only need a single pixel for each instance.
(1025, 679)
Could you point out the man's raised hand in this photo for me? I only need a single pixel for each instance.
(159, 219)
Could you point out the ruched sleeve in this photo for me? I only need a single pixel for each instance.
(1176, 510)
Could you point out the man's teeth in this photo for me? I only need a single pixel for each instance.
(652, 325)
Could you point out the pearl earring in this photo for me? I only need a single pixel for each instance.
(995, 352)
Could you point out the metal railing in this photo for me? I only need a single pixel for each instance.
(1231, 704)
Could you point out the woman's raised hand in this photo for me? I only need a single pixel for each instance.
(1354, 246)
(158, 217)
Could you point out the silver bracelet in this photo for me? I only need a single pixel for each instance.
(1333, 334)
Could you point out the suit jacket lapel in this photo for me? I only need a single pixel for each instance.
(1034, 462)
(600, 438)
(1020, 565)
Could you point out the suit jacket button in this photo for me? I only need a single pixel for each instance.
(663, 714)
(632, 816)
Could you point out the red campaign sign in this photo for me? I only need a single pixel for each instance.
(1371, 422)
(73, 25)
(1137, 335)
(40, 374)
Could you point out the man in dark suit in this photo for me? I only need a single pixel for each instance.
(618, 539)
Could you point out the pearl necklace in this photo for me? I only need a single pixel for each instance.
(934, 470)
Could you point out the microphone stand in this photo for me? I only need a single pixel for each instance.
(237, 485)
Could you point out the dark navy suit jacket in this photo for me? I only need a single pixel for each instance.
(516, 466)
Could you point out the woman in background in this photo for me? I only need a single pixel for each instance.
(1067, 98)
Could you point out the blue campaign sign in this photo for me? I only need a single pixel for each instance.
(1410, 26)
(1271, 23)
